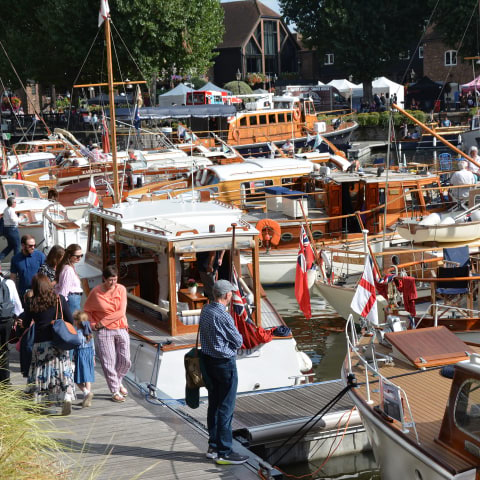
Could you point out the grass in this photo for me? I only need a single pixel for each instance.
(26, 448)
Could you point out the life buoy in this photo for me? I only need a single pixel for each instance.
(270, 232)
(296, 114)
(235, 134)
(326, 267)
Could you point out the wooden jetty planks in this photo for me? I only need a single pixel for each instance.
(133, 439)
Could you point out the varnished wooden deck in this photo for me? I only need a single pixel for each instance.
(135, 439)
(427, 392)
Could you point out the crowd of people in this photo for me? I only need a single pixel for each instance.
(43, 289)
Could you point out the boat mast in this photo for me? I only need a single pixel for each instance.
(113, 127)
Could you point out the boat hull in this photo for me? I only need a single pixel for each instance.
(399, 459)
(459, 232)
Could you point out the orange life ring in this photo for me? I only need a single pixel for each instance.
(296, 114)
(270, 231)
(235, 134)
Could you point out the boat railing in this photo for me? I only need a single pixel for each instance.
(435, 311)
(371, 367)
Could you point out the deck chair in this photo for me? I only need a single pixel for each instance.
(454, 291)
(457, 256)
(445, 163)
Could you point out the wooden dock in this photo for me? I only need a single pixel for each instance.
(135, 439)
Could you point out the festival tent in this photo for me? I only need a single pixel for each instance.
(425, 92)
(471, 86)
(344, 86)
(212, 87)
(177, 96)
(384, 85)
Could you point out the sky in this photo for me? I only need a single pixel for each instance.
(273, 4)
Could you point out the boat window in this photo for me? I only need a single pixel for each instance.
(243, 122)
(33, 164)
(411, 200)
(433, 198)
(289, 117)
(281, 117)
(263, 119)
(381, 198)
(21, 190)
(467, 408)
(95, 240)
(271, 118)
(253, 120)
(254, 191)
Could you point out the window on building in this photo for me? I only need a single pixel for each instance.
(329, 59)
(405, 55)
(420, 52)
(253, 57)
(450, 58)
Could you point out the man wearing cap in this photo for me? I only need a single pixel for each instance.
(220, 341)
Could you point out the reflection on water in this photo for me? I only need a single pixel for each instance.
(323, 339)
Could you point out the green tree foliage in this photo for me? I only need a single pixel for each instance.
(51, 39)
(238, 87)
(365, 36)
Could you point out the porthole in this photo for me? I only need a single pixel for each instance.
(316, 234)
(286, 237)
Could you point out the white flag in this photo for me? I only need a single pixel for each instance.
(365, 300)
(318, 141)
(92, 194)
(104, 12)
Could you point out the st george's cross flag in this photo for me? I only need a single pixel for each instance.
(365, 299)
(92, 194)
(304, 263)
(104, 12)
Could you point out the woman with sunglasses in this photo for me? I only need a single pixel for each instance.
(68, 282)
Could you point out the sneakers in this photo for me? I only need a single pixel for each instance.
(67, 407)
(232, 458)
(211, 453)
(87, 400)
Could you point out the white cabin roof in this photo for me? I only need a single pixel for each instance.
(261, 168)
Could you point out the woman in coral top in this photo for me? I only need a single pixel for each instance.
(106, 307)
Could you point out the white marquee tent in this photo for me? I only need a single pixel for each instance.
(177, 95)
(344, 86)
(384, 85)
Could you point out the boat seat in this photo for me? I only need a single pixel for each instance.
(190, 317)
(454, 291)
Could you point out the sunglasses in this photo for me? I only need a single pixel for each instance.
(78, 256)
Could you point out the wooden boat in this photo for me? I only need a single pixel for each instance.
(425, 140)
(154, 244)
(421, 425)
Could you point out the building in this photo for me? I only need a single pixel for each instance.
(256, 40)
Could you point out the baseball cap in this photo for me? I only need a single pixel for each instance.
(221, 287)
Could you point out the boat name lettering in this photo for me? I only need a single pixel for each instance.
(350, 260)
(93, 170)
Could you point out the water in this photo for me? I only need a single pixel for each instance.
(323, 339)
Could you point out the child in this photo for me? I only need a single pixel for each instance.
(84, 356)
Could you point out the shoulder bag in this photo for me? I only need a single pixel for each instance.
(65, 336)
(193, 371)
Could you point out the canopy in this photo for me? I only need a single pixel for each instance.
(383, 85)
(177, 95)
(425, 92)
(212, 87)
(103, 99)
(471, 86)
(342, 85)
(179, 112)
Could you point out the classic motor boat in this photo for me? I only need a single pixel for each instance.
(422, 422)
(154, 244)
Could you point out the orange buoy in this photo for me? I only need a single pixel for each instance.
(270, 232)
(296, 114)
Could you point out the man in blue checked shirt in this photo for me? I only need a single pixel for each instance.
(220, 340)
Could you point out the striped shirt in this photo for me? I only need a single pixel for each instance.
(68, 282)
(218, 335)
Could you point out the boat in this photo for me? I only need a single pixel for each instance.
(154, 245)
(421, 422)
(425, 140)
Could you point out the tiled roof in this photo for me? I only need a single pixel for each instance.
(240, 20)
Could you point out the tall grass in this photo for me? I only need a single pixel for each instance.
(26, 449)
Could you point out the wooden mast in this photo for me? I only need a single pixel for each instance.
(113, 127)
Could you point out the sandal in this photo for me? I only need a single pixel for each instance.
(117, 397)
(123, 391)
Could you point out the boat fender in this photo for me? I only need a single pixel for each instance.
(447, 221)
(311, 277)
(235, 134)
(475, 216)
(296, 114)
(432, 219)
(304, 362)
(270, 232)
(201, 177)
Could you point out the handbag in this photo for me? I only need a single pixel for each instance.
(25, 347)
(193, 370)
(65, 335)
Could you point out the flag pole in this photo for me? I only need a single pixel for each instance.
(366, 244)
(309, 233)
(232, 249)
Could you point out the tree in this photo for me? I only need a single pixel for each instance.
(365, 37)
(238, 87)
(148, 36)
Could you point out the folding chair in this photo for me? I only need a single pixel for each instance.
(456, 256)
(452, 292)
(445, 163)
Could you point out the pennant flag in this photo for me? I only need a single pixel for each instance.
(92, 194)
(240, 311)
(365, 299)
(304, 263)
(105, 136)
(104, 12)
(318, 141)
(309, 138)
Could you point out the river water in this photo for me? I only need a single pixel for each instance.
(323, 339)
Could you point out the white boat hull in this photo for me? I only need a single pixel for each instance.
(271, 365)
(399, 459)
(458, 232)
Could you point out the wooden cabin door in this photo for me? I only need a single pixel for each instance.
(334, 198)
